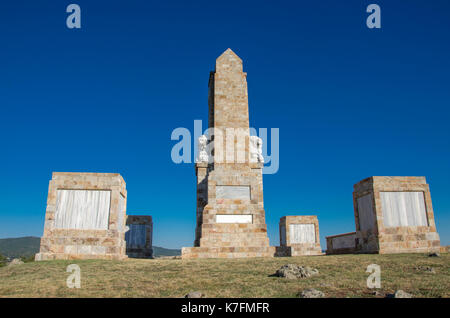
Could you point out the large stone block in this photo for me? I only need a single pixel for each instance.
(392, 215)
(300, 234)
(85, 217)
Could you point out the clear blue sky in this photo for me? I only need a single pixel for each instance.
(350, 102)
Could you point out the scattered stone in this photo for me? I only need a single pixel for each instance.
(195, 294)
(311, 293)
(292, 271)
(15, 261)
(400, 294)
(427, 269)
(434, 254)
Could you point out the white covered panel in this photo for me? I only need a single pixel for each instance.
(82, 209)
(302, 233)
(366, 213)
(233, 192)
(403, 209)
(234, 218)
(136, 236)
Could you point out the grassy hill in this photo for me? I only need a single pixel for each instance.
(28, 246)
(340, 276)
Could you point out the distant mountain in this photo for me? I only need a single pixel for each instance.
(28, 246)
(21, 246)
(161, 251)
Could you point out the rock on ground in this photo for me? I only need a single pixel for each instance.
(427, 269)
(15, 261)
(311, 293)
(434, 255)
(195, 294)
(401, 294)
(292, 271)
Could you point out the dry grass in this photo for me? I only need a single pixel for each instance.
(340, 276)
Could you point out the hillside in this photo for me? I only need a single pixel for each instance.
(21, 246)
(161, 251)
(339, 276)
(28, 246)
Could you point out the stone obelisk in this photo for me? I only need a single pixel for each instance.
(230, 207)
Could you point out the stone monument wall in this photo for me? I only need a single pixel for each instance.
(299, 235)
(392, 215)
(341, 243)
(85, 217)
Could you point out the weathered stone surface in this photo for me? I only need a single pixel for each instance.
(311, 293)
(229, 183)
(195, 294)
(292, 271)
(401, 294)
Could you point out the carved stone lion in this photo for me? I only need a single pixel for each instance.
(202, 149)
(256, 149)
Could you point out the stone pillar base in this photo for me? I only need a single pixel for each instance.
(425, 250)
(63, 256)
(286, 251)
(140, 253)
(227, 252)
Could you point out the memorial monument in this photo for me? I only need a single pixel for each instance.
(392, 215)
(230, 206)
(299, 235)
(85, 217)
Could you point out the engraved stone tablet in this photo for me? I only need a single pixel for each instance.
(302, 233)
(234, 218)
(136, 236)
(233, 192)
(403, 209)
(82, 209)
